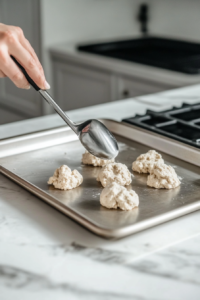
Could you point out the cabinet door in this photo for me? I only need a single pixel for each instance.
(129, 87)
(25, 14)
(79, 86)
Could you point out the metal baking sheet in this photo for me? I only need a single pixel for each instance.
(31, 169)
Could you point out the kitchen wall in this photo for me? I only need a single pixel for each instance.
(76, 20)
(85, 20)
(59, 21)
(89, 20)
(176, 18)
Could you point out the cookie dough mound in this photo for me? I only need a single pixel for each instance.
(65, 179)
(145, 162)
(89, 159)
(115, 195)
(163, 177)
(114, 172)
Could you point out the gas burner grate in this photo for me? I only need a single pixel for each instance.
(181, 124)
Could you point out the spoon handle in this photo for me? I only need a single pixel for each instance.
(57, 108)
(26, 74)
(47, 97)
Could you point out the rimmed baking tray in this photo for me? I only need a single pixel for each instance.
(31, 159)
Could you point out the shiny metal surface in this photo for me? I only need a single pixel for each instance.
(32, 170)
(94, 135)
(98, 140)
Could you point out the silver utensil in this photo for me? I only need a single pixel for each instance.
(94, 135)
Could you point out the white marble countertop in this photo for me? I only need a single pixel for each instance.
(45, 255)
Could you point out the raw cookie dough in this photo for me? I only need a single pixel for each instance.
(115, 195)
(145, 162)
(114, 172)
(163, 177)
(89, 159)
(65, 179)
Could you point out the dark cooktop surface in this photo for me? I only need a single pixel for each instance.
(158, 52)
(182, 124)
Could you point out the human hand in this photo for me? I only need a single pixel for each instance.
(13, 42)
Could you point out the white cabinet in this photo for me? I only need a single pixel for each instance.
(79, 86)
(25, 14)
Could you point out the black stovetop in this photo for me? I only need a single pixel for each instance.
(182, 124)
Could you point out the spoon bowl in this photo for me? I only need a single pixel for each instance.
(97, 139)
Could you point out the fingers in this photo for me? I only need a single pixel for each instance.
(29, 63)
(11, 70)
(13, 42)
(25, 43)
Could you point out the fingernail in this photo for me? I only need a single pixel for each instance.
(47, 86)
(27, 87)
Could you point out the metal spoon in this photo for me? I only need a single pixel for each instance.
(94, 135)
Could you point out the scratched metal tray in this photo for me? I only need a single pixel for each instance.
(31, 159)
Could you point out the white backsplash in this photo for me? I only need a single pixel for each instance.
(90, 20)
(75, 20)
(176, 18)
